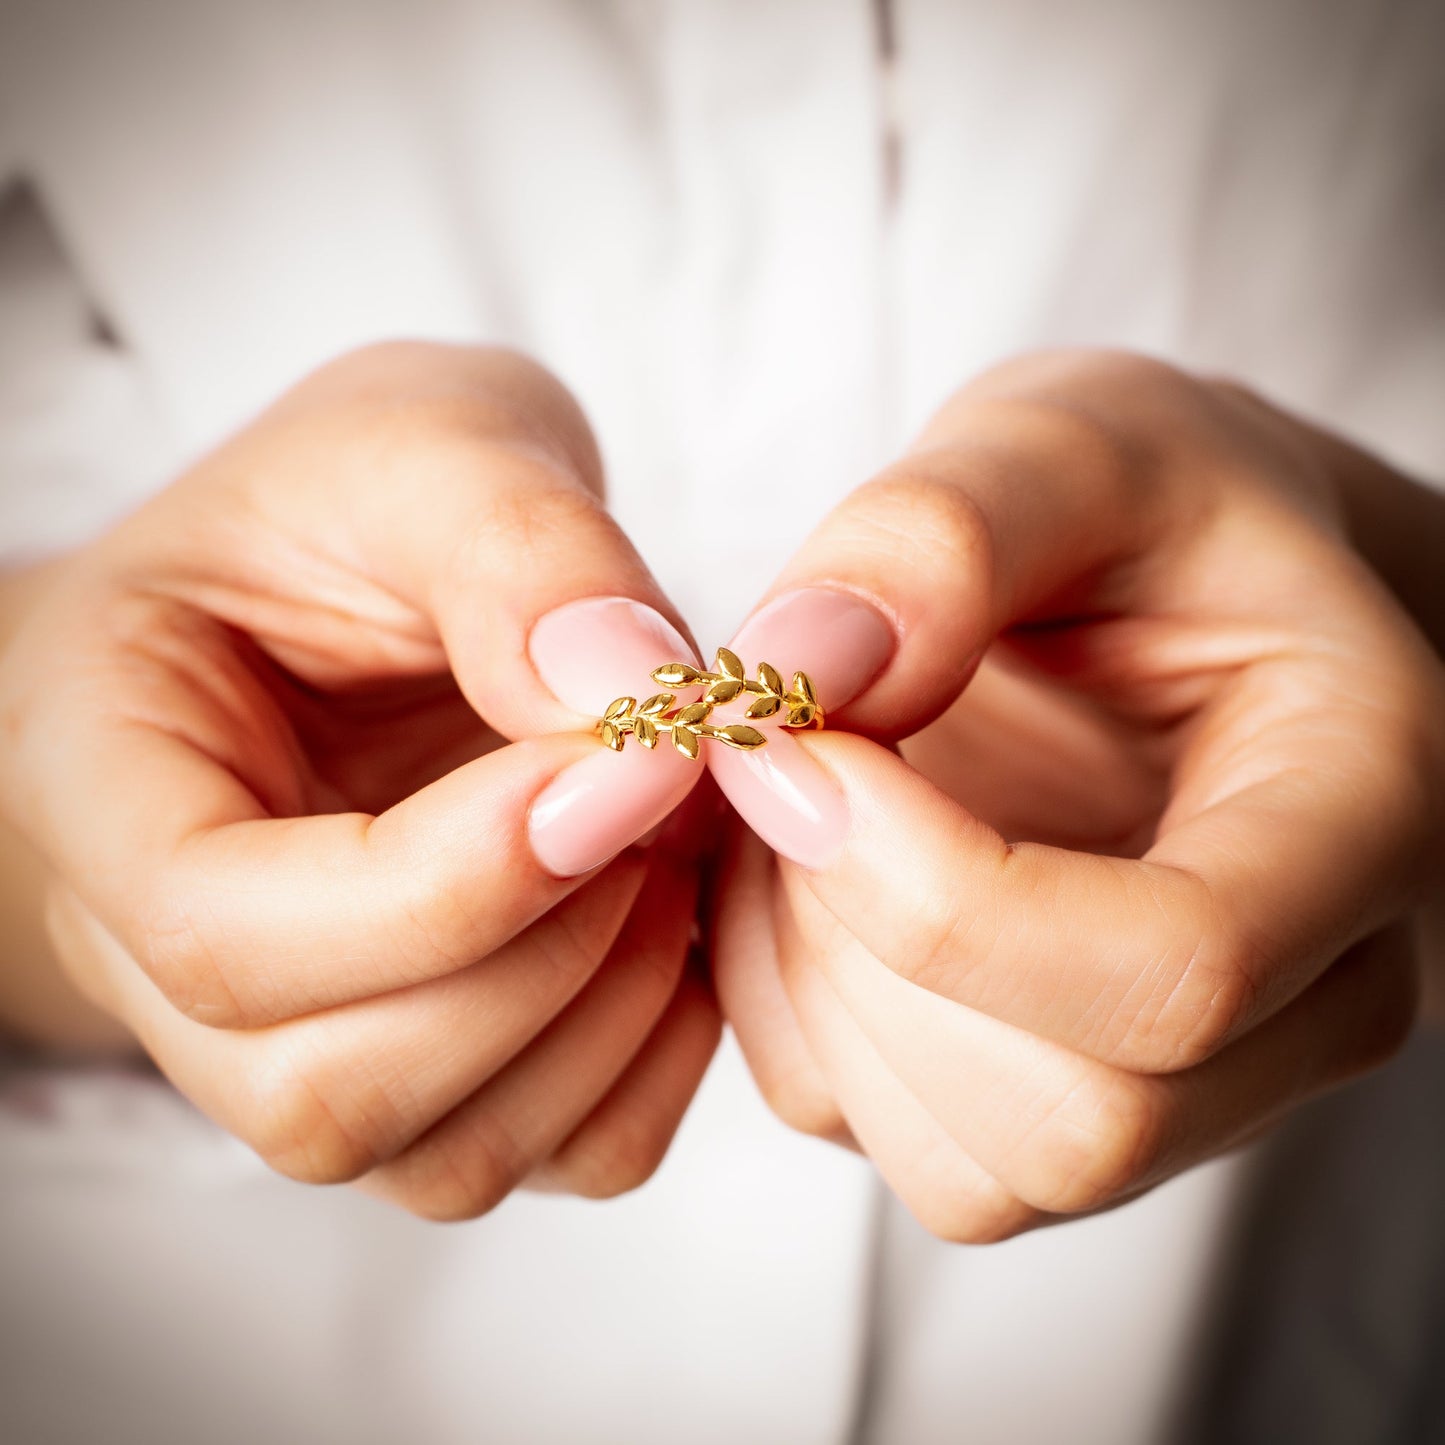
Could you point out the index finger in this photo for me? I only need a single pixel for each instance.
(244, 918)
(1020, 492)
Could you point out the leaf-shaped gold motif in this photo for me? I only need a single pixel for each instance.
(688, 725)
(675, 674)
(724, 691)
(740, 735)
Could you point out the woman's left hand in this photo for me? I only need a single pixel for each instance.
(1174, 780)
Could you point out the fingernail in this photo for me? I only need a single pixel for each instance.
(592, 810)
(592, 651)
(786, 798)
(839, 640)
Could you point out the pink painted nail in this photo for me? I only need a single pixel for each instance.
(592, 810)
(838, 639)
(592, 651)
(786, 798)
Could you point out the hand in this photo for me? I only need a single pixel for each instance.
(288, 853)
(1174, 779)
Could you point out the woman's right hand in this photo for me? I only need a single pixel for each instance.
(258, 734)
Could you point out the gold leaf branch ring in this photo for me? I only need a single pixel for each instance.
(687, 724)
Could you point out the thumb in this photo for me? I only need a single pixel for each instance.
(1009, 506)
(1003, 505)
(489, 522)
(476, 501)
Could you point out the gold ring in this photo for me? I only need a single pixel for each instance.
(688, 723)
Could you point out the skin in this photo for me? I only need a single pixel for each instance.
(1152, 879)
(256, 735)
(1104, 926)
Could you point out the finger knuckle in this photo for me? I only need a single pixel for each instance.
(1090, 410)
(915, 509)
(179, 952)
(1196, 988)
(610, 1161)
(979, 1211)
(536, 396)
(654, 971)
(442, 1202)
(466, 1176)
(565, 950)
(1213, 997)
(1100, 1142)
(973, 1222)
(453, 397)
(943, 946)
(802, 1103)
(295, 1123)
(1088, 436)
(533, 510)
(428, 928)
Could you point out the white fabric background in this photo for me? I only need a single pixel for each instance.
(683, 209)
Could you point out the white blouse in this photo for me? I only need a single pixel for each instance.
(760, 242)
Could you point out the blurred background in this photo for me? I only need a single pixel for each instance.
(761, 242)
